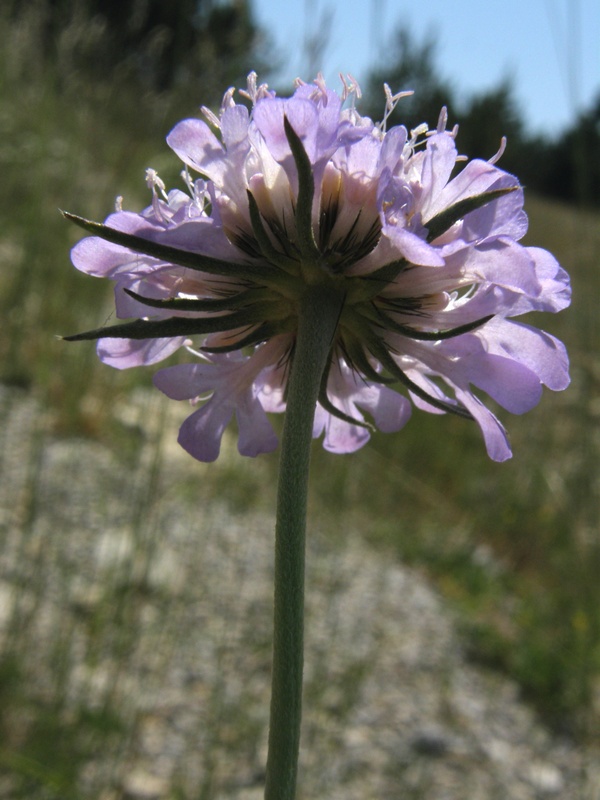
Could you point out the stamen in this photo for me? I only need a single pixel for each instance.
(187, 179)
(442, 120)
(154, 182)
(420, 130)
(202, 198)
(351, 88)
(211, 117)
(250, 91)
(500, 152)
(253, 92)
(263, 91)
(391, 101)
(322, 87)
(228, 101)
(189, 346)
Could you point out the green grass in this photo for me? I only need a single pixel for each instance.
(514, 547)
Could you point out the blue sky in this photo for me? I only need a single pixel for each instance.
(550, 48)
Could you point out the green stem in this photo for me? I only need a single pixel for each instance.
(319, 313)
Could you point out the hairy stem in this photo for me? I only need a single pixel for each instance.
(319, 314)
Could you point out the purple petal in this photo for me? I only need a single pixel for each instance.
(270, 390)
(126, 353)
(502, 217)
(200, 236)
(361, 160)
(494, 434)
(232, 391)
(187, 381)
(234, 126)
(437, 166)
(127, 307)
(102, 259)
(340, 436)
(392, 149)
(198, 147)
(464, 361)
(303, 117)
(501, 262)
(201, 433)
(256, 434)
(389, 409)
(475, 178)
(431, 388)
(515, 387)
(413, 247)
(556, 286)
(542, 353)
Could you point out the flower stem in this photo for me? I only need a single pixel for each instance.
(319, 313)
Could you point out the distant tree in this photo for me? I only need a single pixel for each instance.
(575, 174)
(564, 165)
(485, 118)
(229, 45)
(160, 44)
(409, 65)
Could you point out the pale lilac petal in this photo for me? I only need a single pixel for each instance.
(200, 236)
(502, 217)
(187, 381)
(542, 353)
(270, 389)
(102, 259)
(126, 353)
(501, 262)
(231, 393)
(361, 160)
(430, 388)
(413, 247)
(464, 361)
(392, 149)
(494, 434)
(127, 307)
(342, 437)
(556, 287)
(234, 126)
(303, 117)
(515, 387)
(201, 433)
(256, 434)
(319, 420)
(390, 410)
(198, 147)
(437, 166)
(474, 179)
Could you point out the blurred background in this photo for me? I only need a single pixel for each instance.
(95, 497)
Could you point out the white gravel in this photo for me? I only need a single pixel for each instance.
(119, 591)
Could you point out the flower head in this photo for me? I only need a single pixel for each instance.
(304, 192)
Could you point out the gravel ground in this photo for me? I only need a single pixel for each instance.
(123, 595)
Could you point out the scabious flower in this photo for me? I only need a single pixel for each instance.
(304, 191)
